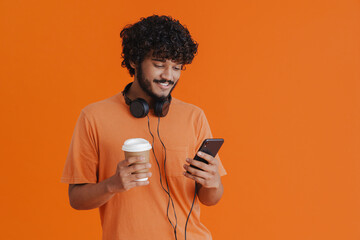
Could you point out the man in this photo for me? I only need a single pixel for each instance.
(155, 51)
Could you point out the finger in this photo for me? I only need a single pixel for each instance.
(126, 172)
(201, 165)
(132, 184)
(197, 179)
(211, 160)
(136, 176)
(129, 161)
(138, 167)
(196, 172)
(132, 160)
(141, 183)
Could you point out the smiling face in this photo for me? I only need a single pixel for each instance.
(158, 77)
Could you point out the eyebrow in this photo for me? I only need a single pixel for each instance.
(163, 60)
(158, 59)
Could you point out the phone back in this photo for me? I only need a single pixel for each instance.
(210, 146)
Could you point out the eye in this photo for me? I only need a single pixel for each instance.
(178, 68)
(158, 65)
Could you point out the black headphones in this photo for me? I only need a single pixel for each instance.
(139, 108)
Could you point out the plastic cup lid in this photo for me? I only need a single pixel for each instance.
(136, 145)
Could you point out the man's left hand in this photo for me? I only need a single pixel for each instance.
(209, 176)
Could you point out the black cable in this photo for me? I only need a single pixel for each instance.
(167, 192)
(155, 155)
(167, 184)
(166, 181)
(192, 205)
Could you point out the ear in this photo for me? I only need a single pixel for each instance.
(133, 65)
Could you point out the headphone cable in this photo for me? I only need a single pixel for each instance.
(167, 184)
(166, 181)
(196, 189)
(192, 205)
(167, 192)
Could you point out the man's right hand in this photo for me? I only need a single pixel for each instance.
(94, 195)
(127, 173)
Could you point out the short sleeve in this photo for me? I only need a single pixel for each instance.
(81, 164)
(204, 132)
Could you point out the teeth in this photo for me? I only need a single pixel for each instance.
(164, 84)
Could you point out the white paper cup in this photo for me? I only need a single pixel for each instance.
(137, 147)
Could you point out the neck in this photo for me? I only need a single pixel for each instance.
(136, 91)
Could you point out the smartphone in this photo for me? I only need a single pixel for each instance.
(210, 146)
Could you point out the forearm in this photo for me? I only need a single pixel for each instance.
(210, 196)
(90, 195)
(94, 195)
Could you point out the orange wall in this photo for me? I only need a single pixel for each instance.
(279, 80)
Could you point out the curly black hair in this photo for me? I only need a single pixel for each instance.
(163, 35)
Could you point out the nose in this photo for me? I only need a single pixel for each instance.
(167, 74)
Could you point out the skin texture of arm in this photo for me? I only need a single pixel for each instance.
(93, 195)
(210, 196)
(90, 195)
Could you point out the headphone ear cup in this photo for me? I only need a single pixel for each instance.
(161, 108)
(139, 108)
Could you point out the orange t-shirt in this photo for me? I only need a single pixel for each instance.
(140, 213)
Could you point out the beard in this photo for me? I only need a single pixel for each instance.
(145, 85)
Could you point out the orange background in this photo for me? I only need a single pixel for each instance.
(279, 80)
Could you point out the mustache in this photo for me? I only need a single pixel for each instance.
(164, 81)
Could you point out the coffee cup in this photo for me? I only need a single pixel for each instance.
(137, 147)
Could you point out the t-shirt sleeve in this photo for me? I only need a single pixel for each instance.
(204, 133)
(81, 164)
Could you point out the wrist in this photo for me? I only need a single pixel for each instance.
(215, 185)
(210, 196)
(109, 186)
